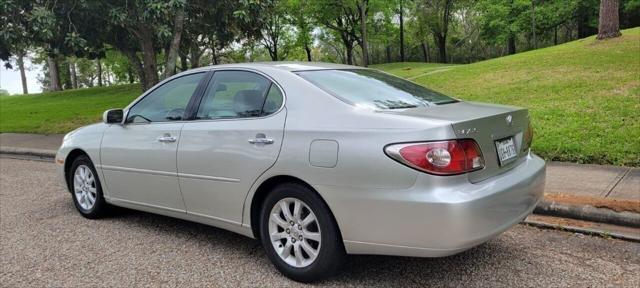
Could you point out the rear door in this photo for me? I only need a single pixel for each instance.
(235, 137)
(138, 158)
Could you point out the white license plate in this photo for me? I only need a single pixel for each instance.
(506, 150)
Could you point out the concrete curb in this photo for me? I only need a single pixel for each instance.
(586, 231)
(38, 153)
(588, 213)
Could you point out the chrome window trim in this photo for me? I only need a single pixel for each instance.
(214, 69)
(269, 78)
(155, 87)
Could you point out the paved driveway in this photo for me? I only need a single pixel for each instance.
(44, 242)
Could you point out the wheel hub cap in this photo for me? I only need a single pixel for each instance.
(84, 187)
(295, 232)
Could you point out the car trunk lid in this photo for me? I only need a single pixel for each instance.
(484, 123)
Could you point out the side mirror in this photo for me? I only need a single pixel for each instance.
(113, 116)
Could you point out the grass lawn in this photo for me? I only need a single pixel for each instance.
(61, 112)
(584, 96)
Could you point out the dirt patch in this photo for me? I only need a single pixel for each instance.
(617, 205)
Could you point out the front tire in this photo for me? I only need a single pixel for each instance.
(299, 234)
(85, 188)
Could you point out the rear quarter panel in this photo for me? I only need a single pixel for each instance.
(361, 136)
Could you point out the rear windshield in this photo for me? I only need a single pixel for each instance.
(374, 89)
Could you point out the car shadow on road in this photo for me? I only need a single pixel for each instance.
(359, 269)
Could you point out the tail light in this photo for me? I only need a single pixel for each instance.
(441, 158)
(528, 138)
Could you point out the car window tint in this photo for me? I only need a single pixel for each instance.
(273, 101)
(167, 102)
(374, 89)
(234, 94)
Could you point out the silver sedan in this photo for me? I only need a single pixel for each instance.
(316, 160)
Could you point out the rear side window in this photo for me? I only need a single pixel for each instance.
(374, 89)
(239, 94)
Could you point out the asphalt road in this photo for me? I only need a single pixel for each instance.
(44, 242)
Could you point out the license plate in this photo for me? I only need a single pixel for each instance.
(506, 150)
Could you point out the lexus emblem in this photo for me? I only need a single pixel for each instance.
(509, 119)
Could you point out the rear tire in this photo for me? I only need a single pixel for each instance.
(312, 245)
(86, 190)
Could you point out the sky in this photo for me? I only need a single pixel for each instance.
(10, 79)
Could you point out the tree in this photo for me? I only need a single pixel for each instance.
(401, 19)
(275, 30)
(502, 21)
(300, 18)
(344, 19)
(437, 16)
(609, 22)
(172, 54)
(23, 77)
(14, 37)
(147, 22)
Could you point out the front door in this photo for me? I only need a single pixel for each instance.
(138, 158)
(236, 136)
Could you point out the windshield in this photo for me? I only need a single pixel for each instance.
(374, 89)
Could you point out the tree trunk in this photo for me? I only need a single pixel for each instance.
(149, 64)
(274, 57)
(426, 44)
(441, 41)
(99, 72)
(401, 32)
(363, 30)
(555, 35)
(172, 55)
(424, 52)
(194, 57)
(130, 75)
(135, 61)
(533, 24)
(308, 50)
(388, 54)
(609, 21)
(74, 73)
(214, 55)
(68, 83)
(349, 49)
(23, 75)
(183, 63)
(54, 75)
(511, 44)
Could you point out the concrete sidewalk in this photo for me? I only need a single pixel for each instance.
(599, 181)
(569, 186)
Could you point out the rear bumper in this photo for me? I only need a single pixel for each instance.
(438, 216)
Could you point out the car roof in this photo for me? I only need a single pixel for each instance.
(285, 65)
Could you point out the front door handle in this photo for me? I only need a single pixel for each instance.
(167, 138)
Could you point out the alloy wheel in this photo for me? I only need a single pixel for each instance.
(295, 232)
(84, 187)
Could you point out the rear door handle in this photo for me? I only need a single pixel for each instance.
(167, 138)
(261, 141)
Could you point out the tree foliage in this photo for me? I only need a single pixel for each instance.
(118, 41)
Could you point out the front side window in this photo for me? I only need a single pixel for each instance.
(239, 94)
(374, 89)
(167, 102)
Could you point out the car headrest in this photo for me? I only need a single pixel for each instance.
(247, 102)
